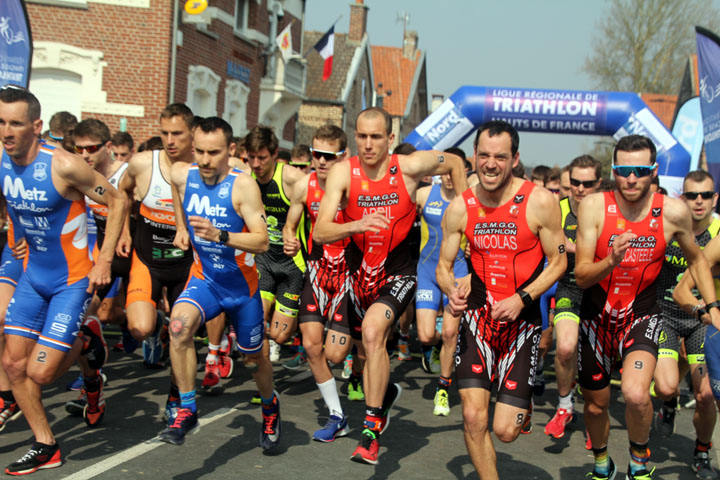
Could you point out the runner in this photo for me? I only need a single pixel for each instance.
(621, 241)
(698, 193)
(224, 277)
(47, 202)
(156, 262)
(435, 323)
(325, 295)
(584, 179)
(511, 225)
(377, 191)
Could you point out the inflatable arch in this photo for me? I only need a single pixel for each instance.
(553, 111)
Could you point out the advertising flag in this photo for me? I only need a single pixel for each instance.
(284, 43)
(15, 43)
(325, 47)
(708, 46)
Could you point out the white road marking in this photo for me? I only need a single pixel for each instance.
(141, 449)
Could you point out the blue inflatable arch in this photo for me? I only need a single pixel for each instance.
(552, 111)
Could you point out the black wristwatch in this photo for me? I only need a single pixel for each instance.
(710, 305)
(223, 237)
(525, 297)
(698, 311)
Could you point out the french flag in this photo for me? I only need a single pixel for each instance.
(325, 47)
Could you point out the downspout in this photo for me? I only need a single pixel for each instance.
(173, 53)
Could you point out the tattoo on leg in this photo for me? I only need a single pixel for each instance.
(519, 419)
(561, 248)
(388, 314)
(638, 365)
(42, 355)
(178, 325)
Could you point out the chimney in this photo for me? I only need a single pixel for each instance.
(410, 44)
(358, 21)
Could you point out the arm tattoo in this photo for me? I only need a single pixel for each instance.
(441, 158)
(263, 219)
(100, 190)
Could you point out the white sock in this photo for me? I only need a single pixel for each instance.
(328, 390)
(212, 357)
(224, 342)
(566, 401)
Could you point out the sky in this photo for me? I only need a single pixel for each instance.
(513, 43)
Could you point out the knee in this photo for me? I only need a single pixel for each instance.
(373, 339)
(594, 407)
(505, 433)
(565, 353)
(636, 397)
(705, 399)
(664, 390)
(139, 332)
(475, 420)
(14, 368)
(180, 334)
(313, 348)
(41, 376)
(336, 354)
(426, 335)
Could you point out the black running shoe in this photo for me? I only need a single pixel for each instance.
(39, 457)
(665, 421)
(270, 433)
(391, 396)
(185, 420)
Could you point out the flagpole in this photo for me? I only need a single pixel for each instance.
(331, 26)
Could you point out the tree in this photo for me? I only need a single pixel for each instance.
(643, 45)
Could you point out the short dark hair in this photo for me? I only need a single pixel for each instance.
(519, 170)
(404, 149)
(122, 138)
(497, 127)
(62, 122)
(331, 133)
(179, 110)
(211, 124)
(14, 93)
(152, 143)
(284, 155)
(552, 176)
(586, 161)
(374, 112)
(457, 151)
(92, 128)
(300, 151)
(261, 137)
(635, 143)
(698, 176)
(540, 172)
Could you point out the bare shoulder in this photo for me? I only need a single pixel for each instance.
(541, 198)
(246, 182)
(675, 210)
(422, 195)
(292, 174)
(66, 163)
(178, 172)
(140, 162)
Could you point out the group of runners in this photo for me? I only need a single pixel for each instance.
(224, 236)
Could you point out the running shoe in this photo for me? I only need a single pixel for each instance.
(403, 350)
(225, 365)
(355, 390)
(588, 442)
(347, 366)
(94, 410)
(231, 341)
(643, 474)
(256, 400)
(212, 376)
(270, 433)
(171, 408)
(152, 345)
(8, 411)
(76, 407)
(556, 426)
(435, 360)
(39, 457)
(184, 421)
(299, 361)
(612, 471)
(367, 449)
(702, 468)
(76, 384)
(94, 346)
(442, 403)
(336, 426)
(665, 421)
(274, 351)
(128, 344)
(392, 394)
(425, 360)
(527, 427)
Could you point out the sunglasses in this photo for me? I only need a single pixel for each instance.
(586, 183)
(90, 148)
(638, 170)
(329, 156)
(554, 190)
(694, 195)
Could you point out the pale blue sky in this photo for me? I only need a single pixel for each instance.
(513, 43)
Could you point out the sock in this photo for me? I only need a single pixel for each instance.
(444, 383)
(174, 393)
(329, 392)
(356, 376)
(224, 342)
(672, 404)
(268, 405)
(639, 456)
(405, 337)
(212, 353)
(187, 400)
(373, 415)
(701, 447)
(602, 460)
(566, 402)
(92, 384)
(8, 396)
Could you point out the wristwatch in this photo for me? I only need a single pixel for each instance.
(525, 297)
(223, 237)
(699, 310)
(710, 305)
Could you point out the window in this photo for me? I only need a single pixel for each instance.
(241, 15)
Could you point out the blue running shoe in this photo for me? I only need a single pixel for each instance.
(171, 408)
(336, 426)
(152, 346)
(76, 384)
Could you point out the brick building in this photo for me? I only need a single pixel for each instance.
(127, 59)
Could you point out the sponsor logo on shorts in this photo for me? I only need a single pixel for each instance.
(338, 317)
(476, 368)
(510, 385)
(424, 296)
(291, 296)
(629, 343)
(597, 377)
(312, 308)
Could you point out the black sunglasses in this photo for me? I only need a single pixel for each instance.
(329, 156)
(693, 195)
(586, 183)
(90, 148)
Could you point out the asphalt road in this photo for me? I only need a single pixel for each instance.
(417, 444)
